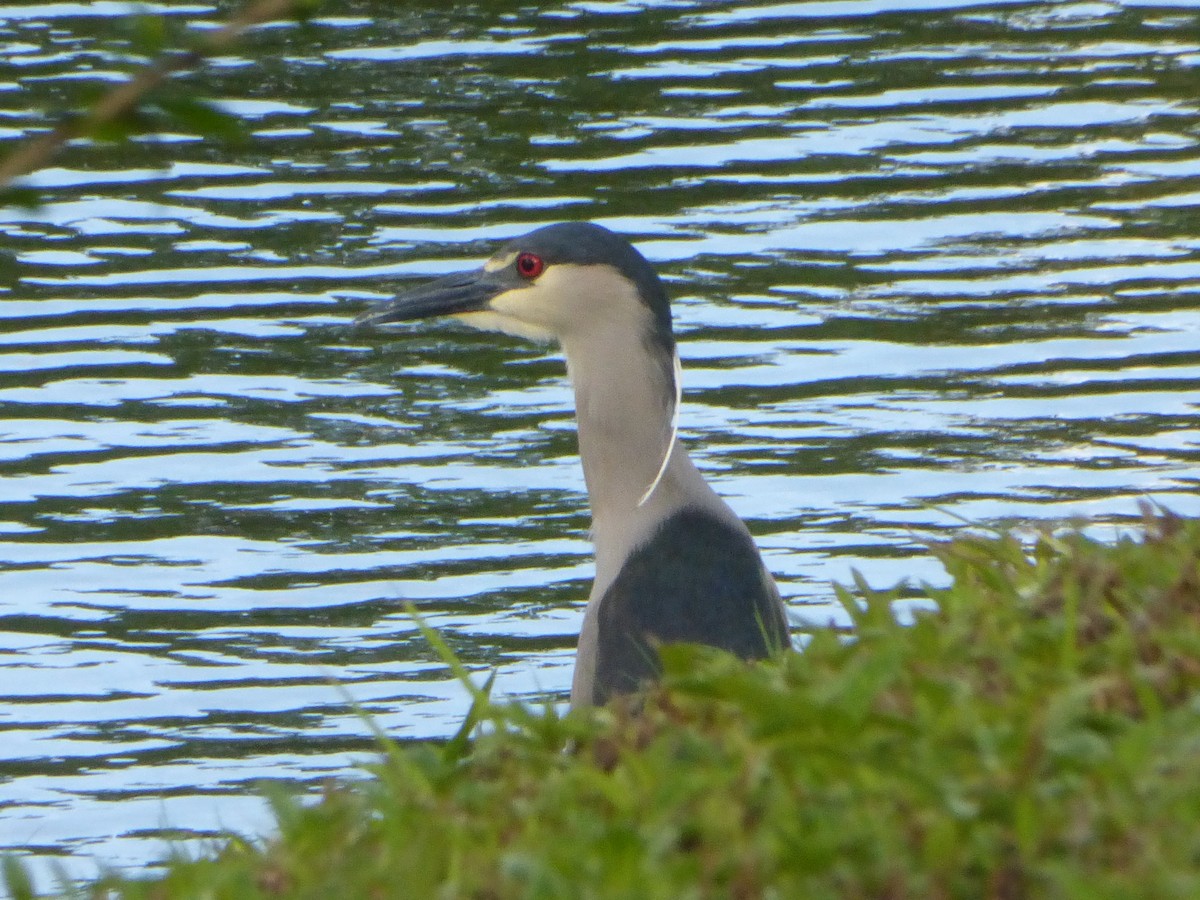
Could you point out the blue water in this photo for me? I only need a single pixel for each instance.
(934, 265)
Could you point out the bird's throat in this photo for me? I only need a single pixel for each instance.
(625, 403)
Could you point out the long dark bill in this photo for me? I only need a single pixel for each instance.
(458, 293)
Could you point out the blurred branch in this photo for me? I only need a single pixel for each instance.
(124, 99)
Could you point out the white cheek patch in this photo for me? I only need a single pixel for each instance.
(489, 320)
(534, 304)
(565, 299)
(510, 313)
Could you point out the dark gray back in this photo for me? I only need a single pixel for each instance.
(698, 580)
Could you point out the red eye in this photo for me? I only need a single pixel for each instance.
(530, 265)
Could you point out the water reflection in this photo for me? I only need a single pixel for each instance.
(930, 265)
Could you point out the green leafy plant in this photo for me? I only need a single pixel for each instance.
(148, 97)
(1035, 736)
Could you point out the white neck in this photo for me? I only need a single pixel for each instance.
(625, 397)
(625, 403)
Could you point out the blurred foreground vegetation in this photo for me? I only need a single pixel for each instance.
(1038, 736)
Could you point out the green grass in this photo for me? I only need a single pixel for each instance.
(1038, 736)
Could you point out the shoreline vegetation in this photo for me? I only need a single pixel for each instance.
(1038, 735)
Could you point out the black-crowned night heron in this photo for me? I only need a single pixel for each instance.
(673, 562)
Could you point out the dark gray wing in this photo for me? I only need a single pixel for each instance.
(698, 580)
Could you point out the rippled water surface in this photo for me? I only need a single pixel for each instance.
(931, 266)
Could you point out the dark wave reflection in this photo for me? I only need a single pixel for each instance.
(933, 265)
